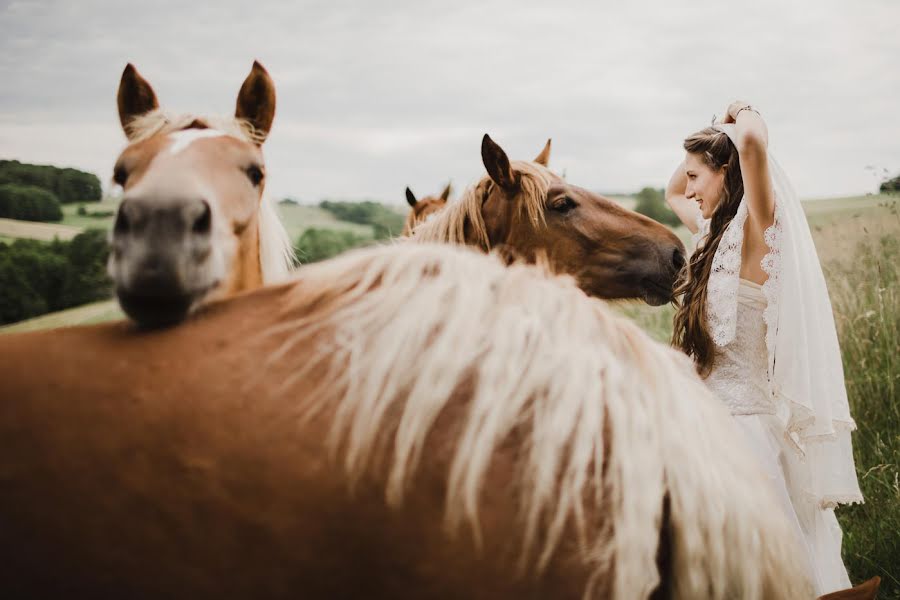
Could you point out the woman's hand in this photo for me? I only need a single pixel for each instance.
(732, 111)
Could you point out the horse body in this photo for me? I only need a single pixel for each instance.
(177, 487)
(402, 422)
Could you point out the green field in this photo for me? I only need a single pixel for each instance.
(46, 232)
(97, 312)
(298, 218)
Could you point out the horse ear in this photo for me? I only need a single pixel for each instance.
(256, 101)
(445, 195)
(497, 164)
(135, 97)
(544, 157)
(410, 197)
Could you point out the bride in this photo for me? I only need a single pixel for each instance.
(756, 318)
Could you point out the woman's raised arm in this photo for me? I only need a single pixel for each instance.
(752, 141)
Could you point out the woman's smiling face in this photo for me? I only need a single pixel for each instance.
(705, 185)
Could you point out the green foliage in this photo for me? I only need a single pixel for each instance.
(69, 185)
(385, 221)
(652, 203)
(28, 203)
(891, 185)
(39, 277)
(318, 244)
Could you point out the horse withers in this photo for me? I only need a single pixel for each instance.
(194, 223)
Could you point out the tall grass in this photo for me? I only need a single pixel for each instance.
(865, 293)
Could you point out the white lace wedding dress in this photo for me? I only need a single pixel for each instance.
(739, 379)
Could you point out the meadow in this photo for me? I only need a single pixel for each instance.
(858, 241)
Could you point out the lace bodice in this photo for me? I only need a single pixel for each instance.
(739, 375)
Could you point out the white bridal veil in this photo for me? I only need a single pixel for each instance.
(806, 377)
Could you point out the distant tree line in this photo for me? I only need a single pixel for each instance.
(40, 277)
(891, 185)
(28, 203)
(652, 203)
(320, 244)
(317, 244)
(385, 221)
(68, 185)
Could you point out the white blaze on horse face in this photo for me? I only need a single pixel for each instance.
(184, 138)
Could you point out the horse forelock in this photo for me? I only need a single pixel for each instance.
(450, 223)
(161, 121)
(598, 415)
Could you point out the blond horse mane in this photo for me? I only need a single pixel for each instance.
(449, 225)
(571, 383)
(276, 251)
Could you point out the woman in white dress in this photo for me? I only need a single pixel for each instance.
(756, 318)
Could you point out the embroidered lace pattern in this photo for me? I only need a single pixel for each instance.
(738, 377)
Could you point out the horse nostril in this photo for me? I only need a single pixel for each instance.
(678, 258)
(203, 223)
(121, 226)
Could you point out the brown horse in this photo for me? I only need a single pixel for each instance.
(423, 208)
(409, 421)
(533, 214)
(194, 224)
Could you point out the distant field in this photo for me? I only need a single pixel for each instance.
(299, 217)
(73, 219)
(96, 312)
(11, 228)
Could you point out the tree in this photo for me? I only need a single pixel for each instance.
(37, 277)
(891, 185)
(69, 185)
(28, 203)
(652, 203)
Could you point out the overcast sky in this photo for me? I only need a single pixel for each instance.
(375, 96)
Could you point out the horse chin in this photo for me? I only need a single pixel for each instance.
(154, 311)
(655, 294)
(654, 299)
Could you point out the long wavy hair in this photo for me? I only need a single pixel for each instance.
(691, 333)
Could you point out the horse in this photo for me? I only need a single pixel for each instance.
(403, 421)
(194, 223)
(530, 213)
(423, 208)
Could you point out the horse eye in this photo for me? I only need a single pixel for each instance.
(120, 175)
(255, 174)
(564, 205)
